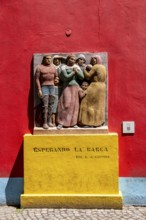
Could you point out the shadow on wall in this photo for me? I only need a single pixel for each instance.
(14, 187)
(31, 100)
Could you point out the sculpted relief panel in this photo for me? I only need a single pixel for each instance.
(70, 90)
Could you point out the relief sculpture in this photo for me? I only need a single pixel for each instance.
(70, 90)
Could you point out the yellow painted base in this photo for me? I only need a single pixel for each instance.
(71, 170)
(72, 201)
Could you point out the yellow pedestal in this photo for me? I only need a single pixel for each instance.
(75, 171)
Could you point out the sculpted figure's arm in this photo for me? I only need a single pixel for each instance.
(89, 74)
(97, 69)
(82, 94)
(65, 76)
(37, 80)
(79, 73)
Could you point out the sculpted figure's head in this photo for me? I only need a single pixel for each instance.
(95, 60)
(46, 60)
(57, 60)
(84, 85)
(81, 59)
(71, 59)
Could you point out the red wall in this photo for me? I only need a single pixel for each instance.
(117, 27)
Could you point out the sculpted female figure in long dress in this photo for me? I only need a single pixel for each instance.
(92, 109)
(68, 105)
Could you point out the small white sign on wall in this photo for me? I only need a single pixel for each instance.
(128, 127)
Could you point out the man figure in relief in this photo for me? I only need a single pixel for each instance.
(44, 78)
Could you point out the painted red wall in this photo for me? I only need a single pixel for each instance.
(117, 27)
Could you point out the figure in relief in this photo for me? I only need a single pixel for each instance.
(92, 109)
(58, 61)
(58, 89)
(68, 105)
(44, 78)
(81, 60)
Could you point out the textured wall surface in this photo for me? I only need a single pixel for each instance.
(116, 27)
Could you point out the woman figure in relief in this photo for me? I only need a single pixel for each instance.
(92, 109)
(68, 105)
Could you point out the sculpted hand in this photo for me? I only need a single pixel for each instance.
(75, 69)
(40, 93)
